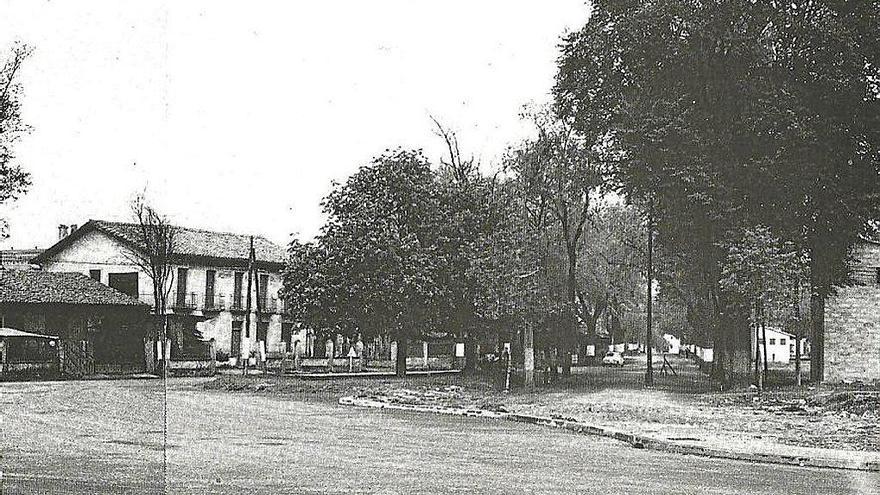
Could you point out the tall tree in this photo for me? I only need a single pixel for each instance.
(379, 254)
(475, 207)
(725, 115)
(610, 274)
(560, 176)
(13, 180)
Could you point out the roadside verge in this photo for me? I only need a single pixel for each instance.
(636, 441)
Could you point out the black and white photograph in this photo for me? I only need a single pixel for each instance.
(440, 247)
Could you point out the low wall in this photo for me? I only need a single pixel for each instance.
(193, 368)
(30, 369)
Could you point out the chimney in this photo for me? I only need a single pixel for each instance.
(62, 231)
(72, 228)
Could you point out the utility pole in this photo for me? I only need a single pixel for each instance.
(649, 337)
(247, 319)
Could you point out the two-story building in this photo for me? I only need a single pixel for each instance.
(852, 320)
(208, 287)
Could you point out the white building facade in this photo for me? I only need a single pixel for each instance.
(208, 289)
(780, 346)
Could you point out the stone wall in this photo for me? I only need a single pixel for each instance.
(852, 323)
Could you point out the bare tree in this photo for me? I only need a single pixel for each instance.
(461, 170)
(154, 255)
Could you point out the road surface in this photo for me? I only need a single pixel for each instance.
(107, 437)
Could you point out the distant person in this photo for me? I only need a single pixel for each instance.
(297, 355)
(359, 350)
(503, 362)
(328, 351)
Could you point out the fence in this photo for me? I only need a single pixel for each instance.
(77, 357)
(198, 359)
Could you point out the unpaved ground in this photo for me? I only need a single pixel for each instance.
(105, 437)
(813, 422)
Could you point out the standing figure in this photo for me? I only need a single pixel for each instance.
(359, 349)
(328, 351)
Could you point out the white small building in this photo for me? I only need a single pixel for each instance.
(673, 343)
(780, 346)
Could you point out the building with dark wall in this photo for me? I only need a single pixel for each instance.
(852, 321)
(72, 306)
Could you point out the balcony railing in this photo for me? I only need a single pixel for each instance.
(268, 304)
(195, 301)
(214, 302)
(237, 302)
(186, 301)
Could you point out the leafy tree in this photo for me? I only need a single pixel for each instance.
(13, 180)
(559, 178)
(721, 116)
(761, 270)
(378, 260)
(610, 275)
(474, 207)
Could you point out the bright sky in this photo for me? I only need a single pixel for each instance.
(237, 116)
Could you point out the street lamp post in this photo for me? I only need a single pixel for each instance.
(649, 373)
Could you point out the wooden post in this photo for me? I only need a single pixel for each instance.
(425, 352)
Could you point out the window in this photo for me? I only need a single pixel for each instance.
(181, 286)
(781, 341)
(95, 275)
(124, 282)
(236, 298)
(772, 341)
(210, 276)
(877, 275)
(262, 291)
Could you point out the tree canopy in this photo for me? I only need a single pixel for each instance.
(14, 181)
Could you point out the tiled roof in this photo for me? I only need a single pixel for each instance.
(38, 287)
(197, 242)
(189, 242)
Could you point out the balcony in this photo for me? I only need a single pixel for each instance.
(188, 301)
(195, 301)
(268, 304)
(214, 302)
(237, 302)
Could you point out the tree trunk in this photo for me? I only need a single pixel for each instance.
(400, 362)
(470, 354)
(817, 347)
(570, 329)
(797, 334)
(817, 319)
(759, 378)
(529, 356)
(764, 337)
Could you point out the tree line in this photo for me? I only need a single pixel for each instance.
(743, 133)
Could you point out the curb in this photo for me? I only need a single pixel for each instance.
(636, 441)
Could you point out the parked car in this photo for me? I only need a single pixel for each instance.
(612, 359)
